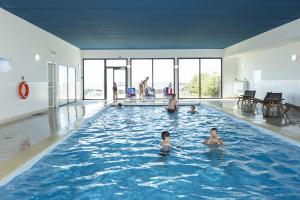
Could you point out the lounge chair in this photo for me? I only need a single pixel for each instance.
(287, 107)
(149, 94)
(256, 100)
(274, 101)
(271, 100)
(247, 98)
(131, 95)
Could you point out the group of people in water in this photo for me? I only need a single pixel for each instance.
(172, 108)
(165, 135)
(212, 140)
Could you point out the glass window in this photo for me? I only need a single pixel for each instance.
(93, 79)
(163, 75)
(62, 84)
(188, 78)
(72, 84)
(140, 69)
(211, 78)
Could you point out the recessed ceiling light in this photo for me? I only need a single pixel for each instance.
(294, 57)
(37, 57)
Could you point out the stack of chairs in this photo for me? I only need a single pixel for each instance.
(131, 94)
(150, 94)
(168, 92)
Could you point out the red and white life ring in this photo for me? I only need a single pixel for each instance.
(23, 90)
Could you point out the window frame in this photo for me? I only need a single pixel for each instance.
(152, 70)
(200, 58)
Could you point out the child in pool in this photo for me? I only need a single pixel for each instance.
(214, 138)
(193, 110)
(165, 136)
(165, 143)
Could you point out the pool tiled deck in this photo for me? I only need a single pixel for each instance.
(288, 128)
(25, 139)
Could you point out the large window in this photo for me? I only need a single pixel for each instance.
(63, 84)
(140, 69)
(199, 78)
(93, 79)
(160, 71)
(71, 84)
(211, 78)
(163, 75)
(188, 74)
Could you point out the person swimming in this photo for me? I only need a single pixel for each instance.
(119, 105)
(214, 138)
(165, 136)
(165, 143)
(193, 110)
(172, 105)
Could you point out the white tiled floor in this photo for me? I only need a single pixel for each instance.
(289, 128)
(26, 133)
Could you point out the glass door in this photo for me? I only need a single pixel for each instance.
(117, 75)
(120, 80)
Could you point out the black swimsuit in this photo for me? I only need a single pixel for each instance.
(171, 110)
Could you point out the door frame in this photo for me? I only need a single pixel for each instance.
(126, 79)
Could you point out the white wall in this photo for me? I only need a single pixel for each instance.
(278, 72)
(269, 54)
(19, 42)
(160, 53)
(230, 73)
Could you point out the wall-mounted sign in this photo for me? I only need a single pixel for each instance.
(5, 65)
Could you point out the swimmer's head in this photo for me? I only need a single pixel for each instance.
(165, 135)
(193, 108)
(119, 105)
(174, 96)
(214, 132)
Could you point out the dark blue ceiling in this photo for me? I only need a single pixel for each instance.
(155, 24)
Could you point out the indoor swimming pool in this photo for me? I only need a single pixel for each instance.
(116, 155)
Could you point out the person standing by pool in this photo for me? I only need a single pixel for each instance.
(214, 138)
(146, 82)
(172, 105)
(115, 92)
(142, 86)
(141, 90)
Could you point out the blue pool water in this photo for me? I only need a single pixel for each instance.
(116, 156)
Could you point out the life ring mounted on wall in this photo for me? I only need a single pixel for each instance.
(23, 90)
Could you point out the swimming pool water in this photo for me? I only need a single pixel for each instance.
(116, 156)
